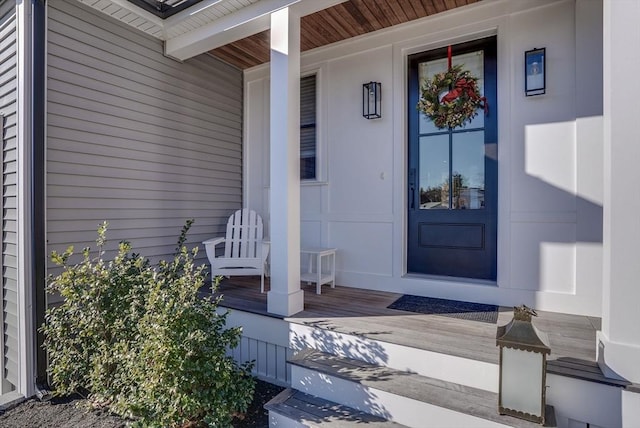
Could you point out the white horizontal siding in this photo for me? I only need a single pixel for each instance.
(135, 138)
(9, 351)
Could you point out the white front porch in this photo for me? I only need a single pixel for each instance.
(357, 325)
(567, 218)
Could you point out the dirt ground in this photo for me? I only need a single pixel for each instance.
(69, 413)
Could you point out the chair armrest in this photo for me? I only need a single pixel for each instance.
(265, 251)
(214, 241)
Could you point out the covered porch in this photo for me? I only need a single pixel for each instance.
(365, 313)
(564, 236)
(348, 340)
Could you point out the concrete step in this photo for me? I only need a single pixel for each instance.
(296, 409)
(400, 396)
(451, 368)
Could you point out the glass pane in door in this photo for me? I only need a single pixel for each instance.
(433, 181)
(467, 178)
(472, 61)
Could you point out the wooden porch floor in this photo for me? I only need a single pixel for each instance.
(365, 313)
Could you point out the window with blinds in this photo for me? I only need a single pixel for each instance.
(308, 127)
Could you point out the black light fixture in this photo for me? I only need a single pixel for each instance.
(535, 66)
(372, 100)
(523, 367)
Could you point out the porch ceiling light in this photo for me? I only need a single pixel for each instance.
(523, 367)
(372, 100)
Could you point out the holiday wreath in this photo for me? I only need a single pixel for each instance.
(460, 102)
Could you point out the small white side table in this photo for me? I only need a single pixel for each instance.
(320, 276)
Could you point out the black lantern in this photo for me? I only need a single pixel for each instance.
(372, 100)
(523, 367)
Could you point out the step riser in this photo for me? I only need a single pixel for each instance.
(277, 420)
(390, 406)
(463, 371)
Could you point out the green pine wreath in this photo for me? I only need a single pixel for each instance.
(460, 102)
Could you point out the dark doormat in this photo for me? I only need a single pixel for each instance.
(448, 308)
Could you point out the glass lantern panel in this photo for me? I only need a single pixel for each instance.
(521, 379)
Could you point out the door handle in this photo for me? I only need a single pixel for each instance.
(413, 198)
(412, 188)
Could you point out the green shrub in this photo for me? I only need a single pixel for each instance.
(139, 340)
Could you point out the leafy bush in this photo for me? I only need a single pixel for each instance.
(139, 340)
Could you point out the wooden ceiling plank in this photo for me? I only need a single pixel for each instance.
(342, 24)
(257, 46)
(451, 4)
(363, 21)
(395, 9)
(374, 8)
(318, 25)
(388, 12)
(373, 21)
(244, 56)
(439, 5)
(421, 11)
(429, 6)
(310, 37)
(408, 9)
(227, 54)
(346, 21)
(335, 31)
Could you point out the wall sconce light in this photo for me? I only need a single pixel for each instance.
(372, 100)
(523, 367)
(535, 72)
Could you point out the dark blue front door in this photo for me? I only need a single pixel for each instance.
(452, 174)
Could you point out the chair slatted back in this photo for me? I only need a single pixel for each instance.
(244, 235)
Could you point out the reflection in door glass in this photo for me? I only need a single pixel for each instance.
(468, 171)
(434, 172)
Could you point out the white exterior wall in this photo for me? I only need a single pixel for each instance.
(619, 339)
(578, 403)
(550, 155)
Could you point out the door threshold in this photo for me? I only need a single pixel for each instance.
(459, 280)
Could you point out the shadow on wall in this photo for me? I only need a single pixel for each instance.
(562, 172)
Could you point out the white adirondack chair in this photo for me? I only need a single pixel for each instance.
(245, 253)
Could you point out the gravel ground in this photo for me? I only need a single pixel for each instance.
(69, 413)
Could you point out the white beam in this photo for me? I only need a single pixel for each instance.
(285, 297)
(235, 26)
(245, 22)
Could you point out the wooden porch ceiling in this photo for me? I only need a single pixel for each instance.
(349, 19)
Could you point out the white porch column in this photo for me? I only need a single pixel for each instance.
(619, 340)
(285, 297)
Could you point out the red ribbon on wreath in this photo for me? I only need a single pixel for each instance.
(462, 86)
